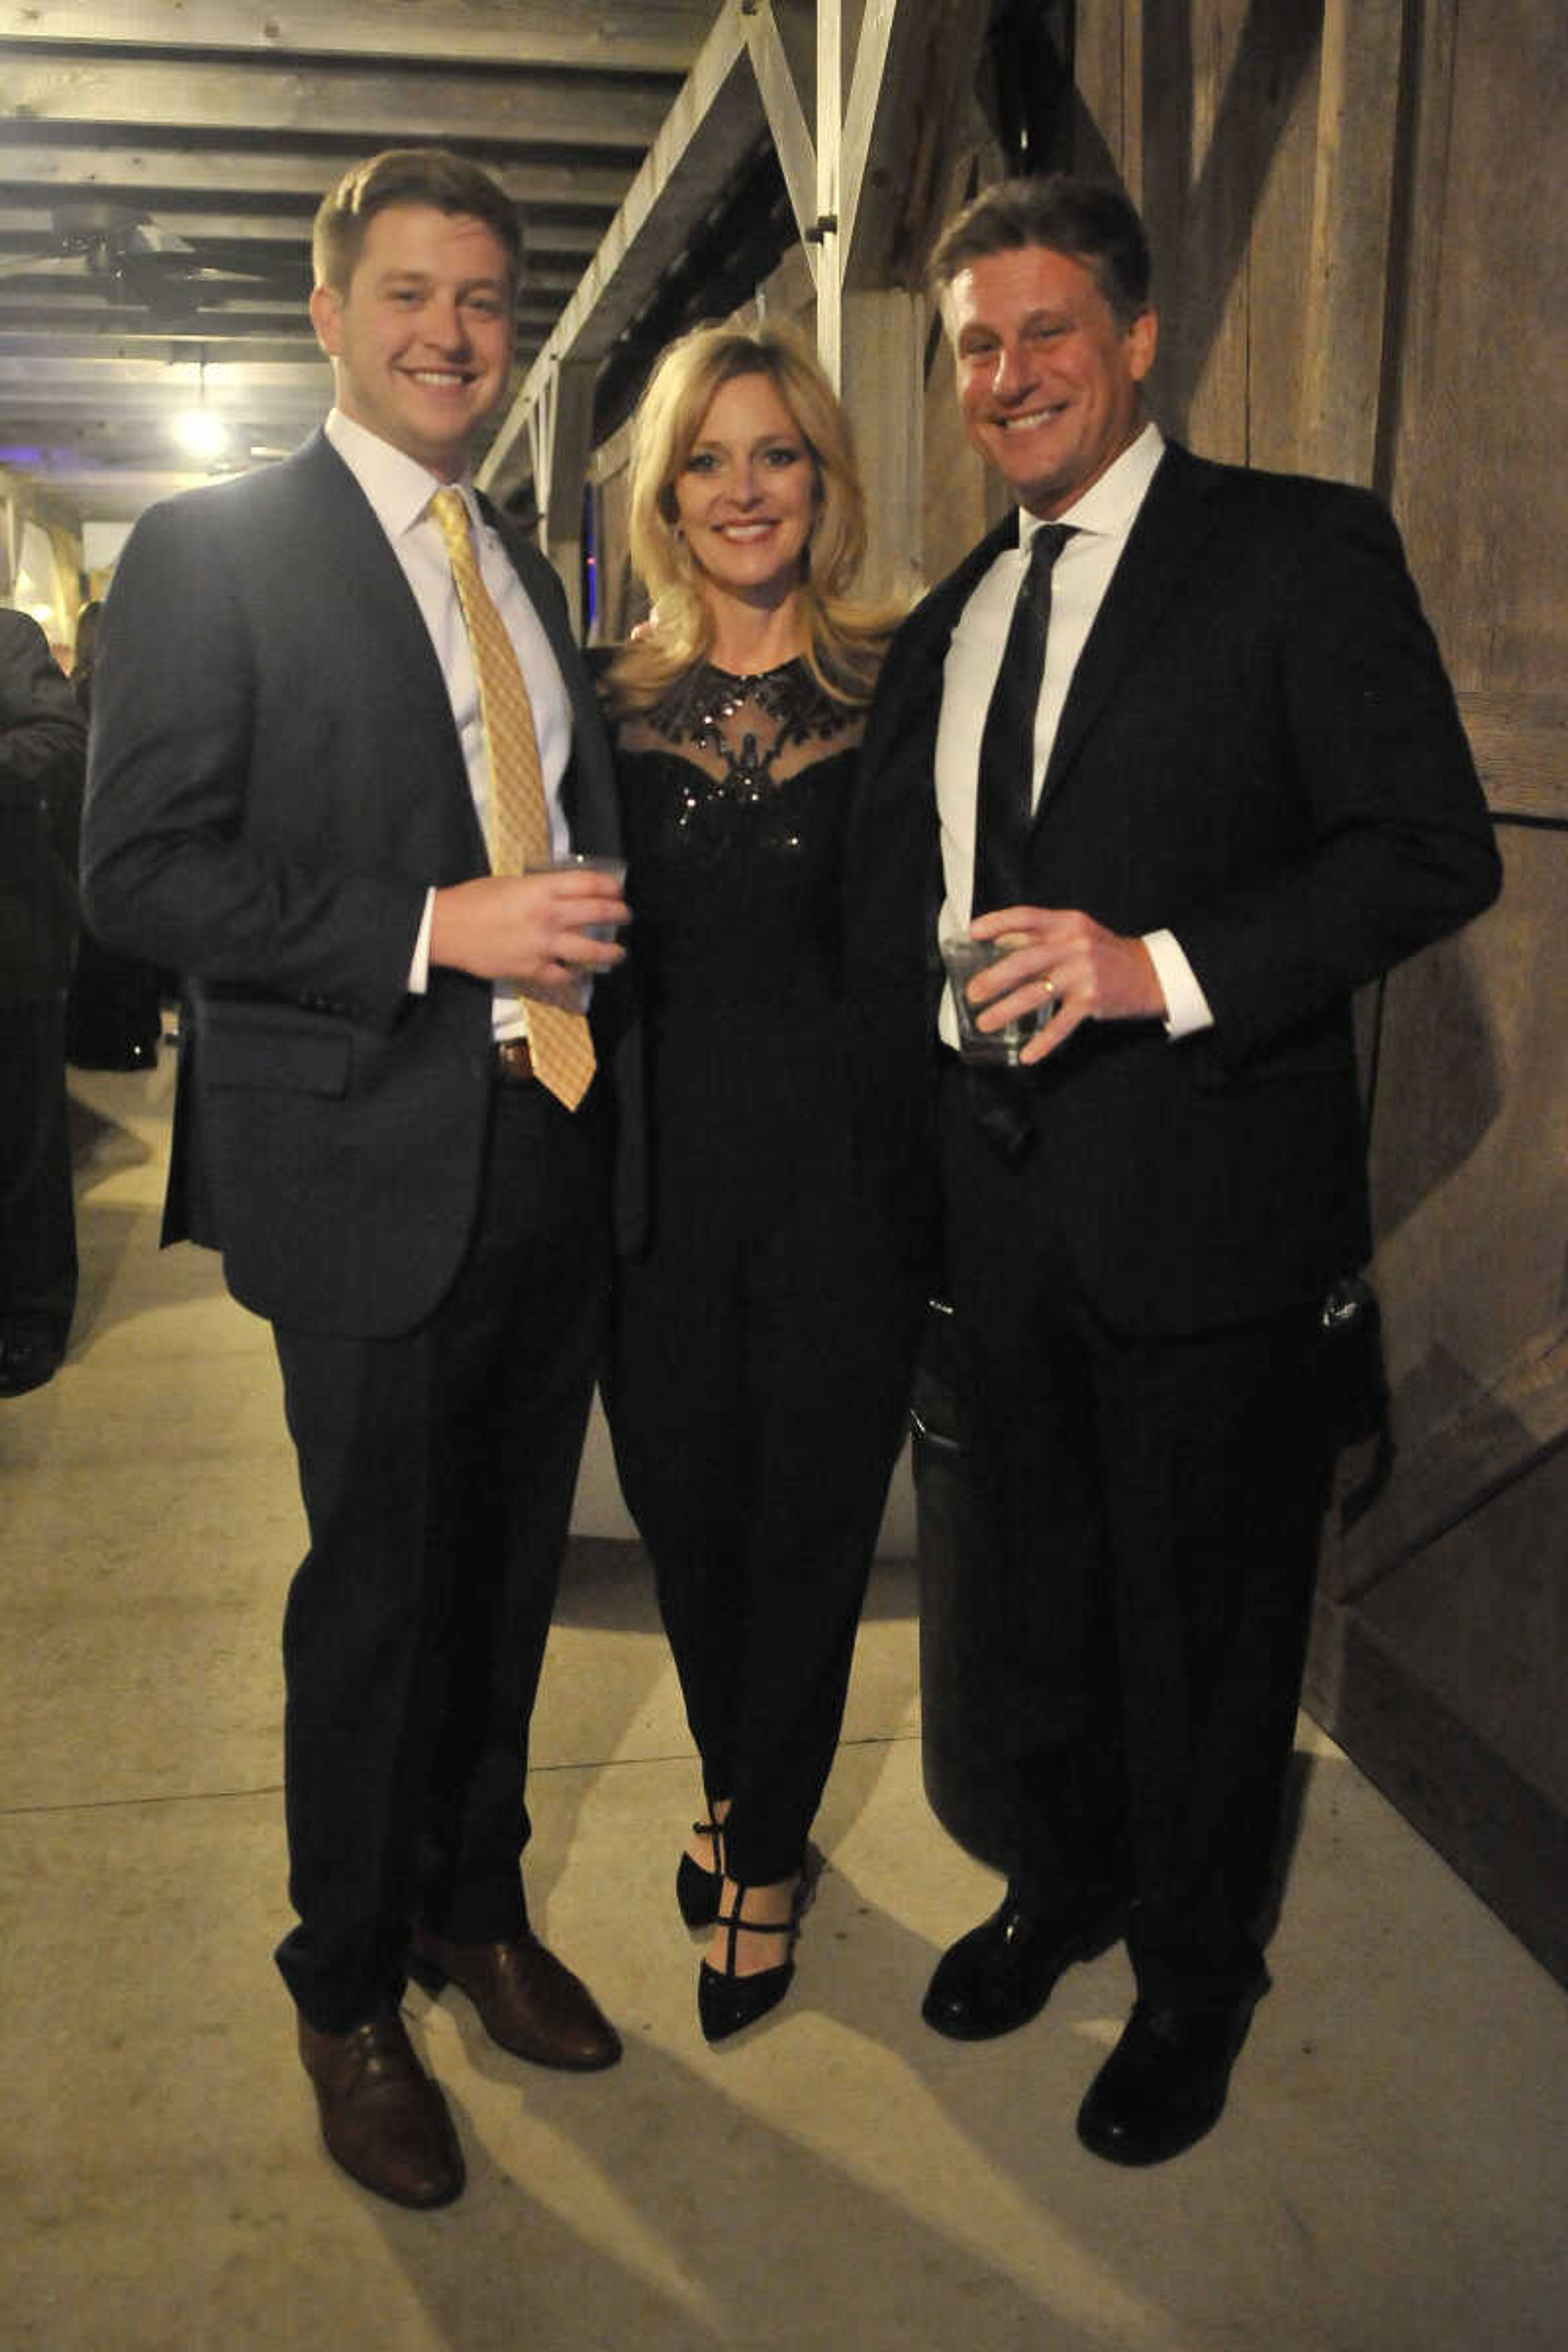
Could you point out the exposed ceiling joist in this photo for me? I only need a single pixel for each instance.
(71, 156)
(664, 156)
(715, 122)
(337, 99)
(109, 357)
(647, 36)
(206, 133)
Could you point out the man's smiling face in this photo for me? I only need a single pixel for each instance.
(421, 340)
(1047, 381)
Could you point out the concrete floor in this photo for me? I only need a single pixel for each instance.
(1391, 2174)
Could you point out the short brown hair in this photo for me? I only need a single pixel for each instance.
(1090, 220)
(407, 175)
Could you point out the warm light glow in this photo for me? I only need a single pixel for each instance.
(201, 434)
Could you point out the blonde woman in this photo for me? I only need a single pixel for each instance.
(762, 1343)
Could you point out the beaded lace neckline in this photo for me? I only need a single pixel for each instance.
(745, 722)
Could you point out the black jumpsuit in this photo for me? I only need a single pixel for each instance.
(762, 1344)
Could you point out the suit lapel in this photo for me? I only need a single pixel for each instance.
(908, 706)
(358, 574)
(944, 604)
(1161, 546)
(358, 566)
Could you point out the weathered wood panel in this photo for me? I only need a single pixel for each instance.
(1442, 1633)
(1477, 478)
(1358, 221)
(1499, 1828)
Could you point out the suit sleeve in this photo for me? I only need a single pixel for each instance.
(41, 729)
(187, 859)
(1396, 844)
(889, 889)
(42, 743)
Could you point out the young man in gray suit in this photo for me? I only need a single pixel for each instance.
(1179, 732)
(300, 761)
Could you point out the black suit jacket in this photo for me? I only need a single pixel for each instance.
(1260, 751)
(274, 780)
(43, 744)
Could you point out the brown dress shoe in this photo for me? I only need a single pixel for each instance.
(527, 2002)
(383, 2118)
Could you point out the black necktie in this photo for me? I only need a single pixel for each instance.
(1003, 810)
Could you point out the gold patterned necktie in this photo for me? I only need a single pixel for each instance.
(562, 1048)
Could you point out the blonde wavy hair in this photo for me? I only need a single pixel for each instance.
(845, 637)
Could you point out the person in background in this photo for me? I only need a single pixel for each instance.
(338, 712)
(1179, 734)
(114, 1011)
(760, 1362)
(42, 753)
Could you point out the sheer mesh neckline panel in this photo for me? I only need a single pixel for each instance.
(746, 732)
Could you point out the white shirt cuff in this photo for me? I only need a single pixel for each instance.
(1186, 1006)
(419, 969)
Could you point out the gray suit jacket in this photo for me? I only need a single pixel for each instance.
(274, 780)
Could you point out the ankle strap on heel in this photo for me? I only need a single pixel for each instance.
(756, 1926)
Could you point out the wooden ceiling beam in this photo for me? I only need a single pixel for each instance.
(555, 109)
(279, 235)
(653, 36)
(236, 318)
(112, 493)
(156, 175)
(125, 360)
(909, 107)
(714, 125)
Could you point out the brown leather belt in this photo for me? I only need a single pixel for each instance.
(514, 1063)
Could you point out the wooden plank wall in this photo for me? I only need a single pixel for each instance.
(1359, 217)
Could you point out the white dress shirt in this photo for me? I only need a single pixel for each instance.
(399, 490)
(1102, 520)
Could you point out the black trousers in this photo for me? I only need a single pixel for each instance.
(1156, 1505)
(114, 1011)
(438, 1470)
(37, 1215)
(757, 1389)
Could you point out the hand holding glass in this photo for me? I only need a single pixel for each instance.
(963, 956)
(583, 861)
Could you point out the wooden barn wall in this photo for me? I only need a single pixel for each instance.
(1444, 1638)
(1364, 245)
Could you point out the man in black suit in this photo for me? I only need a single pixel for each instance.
(1231, 788)
(299, 757)
(42, 750)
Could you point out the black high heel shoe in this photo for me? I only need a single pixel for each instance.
(698, 1890)
(725, 2001)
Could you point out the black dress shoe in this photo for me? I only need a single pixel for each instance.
(529, 2003)
(27, 1361)
(1165, 2085)
(383, 2118)
(728, 2003)
(1000, 1974)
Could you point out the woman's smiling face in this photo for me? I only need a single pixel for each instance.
(747, 495)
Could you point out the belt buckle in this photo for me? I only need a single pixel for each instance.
(515, 1062)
